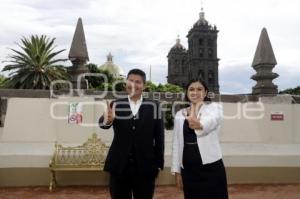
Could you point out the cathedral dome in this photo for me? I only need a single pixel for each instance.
(178, 47)
(201, 20)
(202, 24)
(111, 67)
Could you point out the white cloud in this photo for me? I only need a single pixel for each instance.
(141, 32)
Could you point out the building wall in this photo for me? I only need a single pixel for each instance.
(249, 145)
(29, 120)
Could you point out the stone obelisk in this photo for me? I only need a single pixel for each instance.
(78, 55)
(263, 63)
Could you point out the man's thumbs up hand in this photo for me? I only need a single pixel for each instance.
(109, 115)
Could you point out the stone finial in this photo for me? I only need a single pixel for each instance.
(109, 57)
(263, 63)
(264, 52)
(202, 19)
(78, 56)
(78, 51)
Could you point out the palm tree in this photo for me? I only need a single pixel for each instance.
(2, 80)
(35, 66)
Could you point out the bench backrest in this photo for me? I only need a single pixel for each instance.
(91, 154)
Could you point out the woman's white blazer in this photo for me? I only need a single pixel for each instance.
(210, 116)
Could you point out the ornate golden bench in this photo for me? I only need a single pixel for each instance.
(89, 156)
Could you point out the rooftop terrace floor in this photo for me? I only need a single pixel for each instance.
(265, 191)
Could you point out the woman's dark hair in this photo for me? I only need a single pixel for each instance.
(139, 72)
(201, 81)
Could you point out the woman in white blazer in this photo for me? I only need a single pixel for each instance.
(196, 157)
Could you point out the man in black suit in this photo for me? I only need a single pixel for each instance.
(136, 155)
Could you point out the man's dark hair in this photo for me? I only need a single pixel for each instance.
(139, 72)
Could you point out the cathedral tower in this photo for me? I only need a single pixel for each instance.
(200, 60)
(202, 53)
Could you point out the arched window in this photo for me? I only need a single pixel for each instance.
(210, 53)
(191, 47)
(201, 74)
(200, 41)
(211, 77)
(201, 52)
(210, 42)
(176, 69)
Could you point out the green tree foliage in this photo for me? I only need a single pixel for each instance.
(291, 91)
(151, 87)
(34, 66)
(171, 88)
(2, 80)
(95, 81)
(101, 83)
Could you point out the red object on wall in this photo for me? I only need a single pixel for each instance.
(277, 116)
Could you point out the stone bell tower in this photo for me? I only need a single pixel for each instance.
(200, 60)
(202, 53)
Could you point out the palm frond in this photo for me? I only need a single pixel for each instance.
(34, 65)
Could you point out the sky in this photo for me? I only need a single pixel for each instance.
(140, 33)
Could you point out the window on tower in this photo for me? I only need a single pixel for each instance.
(182, 66)
(191, 46)
(201, 52)
(200, 74)
(176, 69)
(210, 77)
(210, 52)
(200, 41)
(210, 42)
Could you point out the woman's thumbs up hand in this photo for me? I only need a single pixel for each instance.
(194, 122)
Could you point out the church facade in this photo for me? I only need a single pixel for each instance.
(200, 60)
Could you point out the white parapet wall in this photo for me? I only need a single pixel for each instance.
(249, 137)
